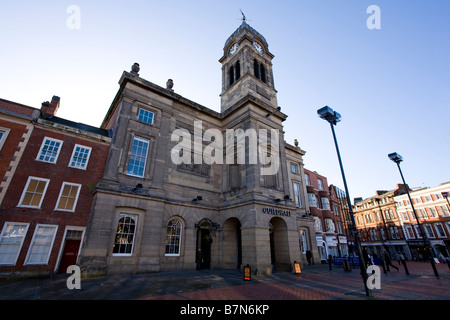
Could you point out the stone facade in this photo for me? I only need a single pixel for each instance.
(152, 214)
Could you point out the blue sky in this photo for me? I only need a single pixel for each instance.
(391, 85)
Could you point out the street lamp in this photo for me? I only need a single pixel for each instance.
(333, 117)
(397, 159)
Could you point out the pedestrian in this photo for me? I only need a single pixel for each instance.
(388, 261)
(309, 256)
(330, 259)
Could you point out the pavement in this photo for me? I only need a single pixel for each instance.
(316, 282)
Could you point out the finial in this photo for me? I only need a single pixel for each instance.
(169, 85)
(135, 69)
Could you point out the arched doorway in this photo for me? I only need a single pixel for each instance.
(232, 244)
(279, 244)
(204, 240)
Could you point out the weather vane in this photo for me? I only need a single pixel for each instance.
(243, 16)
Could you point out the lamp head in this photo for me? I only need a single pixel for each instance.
(328, 114)
(395, 157)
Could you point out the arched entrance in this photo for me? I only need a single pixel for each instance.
(232, 244)
(204, 240)
(279, 244)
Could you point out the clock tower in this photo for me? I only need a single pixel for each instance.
(247, 68)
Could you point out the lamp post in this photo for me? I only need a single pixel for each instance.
(397, 159)
(332, 117)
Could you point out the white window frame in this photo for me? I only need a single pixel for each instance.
(26, 188)
(27, 262)
(297, 195)
(436, 227)
(180, 236)
(60, 194)
(5, 226)
(146, 115)
(146, 157)
(42, 148)
(135, 218)
(73, 154)
(5, 132)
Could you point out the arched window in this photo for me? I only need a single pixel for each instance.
(237, 69)
(124, 240)
(256, 68)
(173, 238)
(231, 75)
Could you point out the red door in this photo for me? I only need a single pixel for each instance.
(70, 254)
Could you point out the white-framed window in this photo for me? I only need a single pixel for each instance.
(440, 230)
(325, 203)
(173, 237)
(138, 157)
(41, 244)
(68, 196)
(318, 224)
(145, 116)
(294, 168)
(320, 184)
(80, 157)
(125, 235)
(329, 225)
(443, 211)
(410, 232)
(11, 240)
(312, 200)
(34, 192)
(307, 179)
(3, 135)
(50, 150)
(429, 230)
(297, 198)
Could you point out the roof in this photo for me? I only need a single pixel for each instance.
(242, 28)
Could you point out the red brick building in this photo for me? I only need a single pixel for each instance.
(323, 206)
(46, 202)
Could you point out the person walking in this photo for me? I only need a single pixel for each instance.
(309, 256)
(388, 261)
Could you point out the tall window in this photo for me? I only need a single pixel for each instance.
(124, 241)
(11, 240)
(237, 70)
(307, 179)
(80, 157)
(297, 198)
(145, 116)
(41, 244)
(34, 192)
(173, 238)
(231, 75)
(49, 151)
(68, 196)
(138, 157)
(320, 184)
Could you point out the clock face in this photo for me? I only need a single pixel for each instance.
(233, 49)
(258, 47)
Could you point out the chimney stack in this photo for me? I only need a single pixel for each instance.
(50, 108)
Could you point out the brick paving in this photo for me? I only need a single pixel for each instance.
(316, 282)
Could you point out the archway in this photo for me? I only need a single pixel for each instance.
(232, 244)
(279, 244)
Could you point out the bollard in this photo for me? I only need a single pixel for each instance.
(247, 273)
